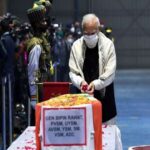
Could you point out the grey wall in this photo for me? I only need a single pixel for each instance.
(19, 7)
(2, 7)
(69, 10)
(130, 20)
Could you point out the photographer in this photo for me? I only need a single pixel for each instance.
(7, 73)
(22, 34)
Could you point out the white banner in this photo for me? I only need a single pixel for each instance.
(64, 126)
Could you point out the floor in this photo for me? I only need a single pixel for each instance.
(132, 90)
(133, 104)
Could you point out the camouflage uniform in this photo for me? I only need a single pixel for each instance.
(38, 47)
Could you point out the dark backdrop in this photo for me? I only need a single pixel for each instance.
(130, 20)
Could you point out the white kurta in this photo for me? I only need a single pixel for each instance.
(33, 66)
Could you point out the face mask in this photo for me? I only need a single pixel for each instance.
(72, 29)
(70, 40)
(91, 40)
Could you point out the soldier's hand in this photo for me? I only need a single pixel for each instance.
(51, 68)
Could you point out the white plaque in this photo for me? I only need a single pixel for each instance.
(64, 126)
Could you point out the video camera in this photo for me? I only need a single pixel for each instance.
(21, 31)
(11, 24)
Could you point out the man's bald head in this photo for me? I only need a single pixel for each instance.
(90, 21)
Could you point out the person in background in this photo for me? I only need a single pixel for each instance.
(92, 66)
(108, 33)
(69, 39)
(7, 48)
(78, 32)
(61, 50)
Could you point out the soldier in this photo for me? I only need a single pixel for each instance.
(38, 47)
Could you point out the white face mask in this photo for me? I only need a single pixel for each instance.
(91, 40)
(70, 40)
(72, 29)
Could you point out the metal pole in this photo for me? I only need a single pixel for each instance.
(90, 6)
(10, 109)
(29, 112)
(4, 111)
(76, 10)
(55, 78)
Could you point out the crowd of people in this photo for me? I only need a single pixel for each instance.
(14, 60)
(35, 51)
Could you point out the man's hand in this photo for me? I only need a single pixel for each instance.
(90, 88)
(84, 86)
